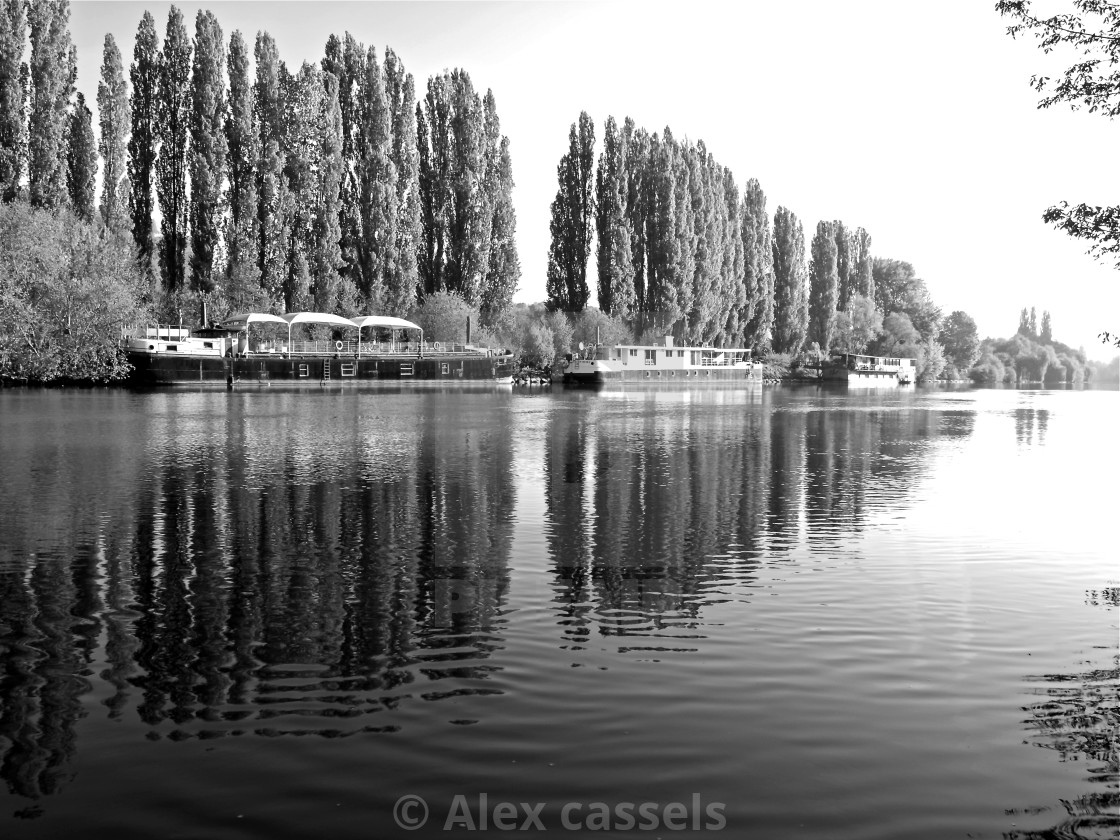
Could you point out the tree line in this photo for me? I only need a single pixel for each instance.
(334, 186)
(679, 250)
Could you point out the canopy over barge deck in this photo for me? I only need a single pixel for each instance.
(233, 351)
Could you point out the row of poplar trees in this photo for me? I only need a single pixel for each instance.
(678, 251)
(329, 187)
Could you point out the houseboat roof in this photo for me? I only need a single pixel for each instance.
(315, 318)
(384, 321)
(243, 319)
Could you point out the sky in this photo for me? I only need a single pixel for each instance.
(915, 121)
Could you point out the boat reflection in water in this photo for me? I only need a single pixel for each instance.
(450, 591)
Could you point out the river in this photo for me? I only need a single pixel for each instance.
(774, 612)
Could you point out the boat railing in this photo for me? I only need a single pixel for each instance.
(366, 348)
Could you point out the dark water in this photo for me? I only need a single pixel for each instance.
(770, 613)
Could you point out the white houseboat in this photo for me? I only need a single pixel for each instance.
(662, 364)
(856, 369)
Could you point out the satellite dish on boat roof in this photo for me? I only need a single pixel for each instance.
(582, 346)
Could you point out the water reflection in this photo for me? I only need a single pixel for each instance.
(183, 567)
(653, 514)
(262, 577)
(1077, 716)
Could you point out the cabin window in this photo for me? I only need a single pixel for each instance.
(445, 368)
(651, 357)
(347, 369)
(303, 370)
(633, 352)
(209, 345)
(406, 369)
(696, 357)
(680, 354)
(171, 347)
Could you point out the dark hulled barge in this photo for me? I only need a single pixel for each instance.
(366, 349)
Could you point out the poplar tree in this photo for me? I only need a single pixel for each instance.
(377, 191)
(845, 264)
(661, 309)
(636, 152)
(614, 258)
(13, 97)
(208, 147)
(504, 268)
(326, 254)
(400, 94)
(572, 212)
(470, 212)
(791, 299)
(345, 59)
(734, 265)
(706, 243)
(81, 159)
(243, 277)
(1046, 334)
(272, 197)
(173, 115)
(681, 258)
(52, 69)
(864, 284)
(143, 142)
(114, 115)
(758, 267)
(823, 285)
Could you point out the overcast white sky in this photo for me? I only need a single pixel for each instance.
(913, 120)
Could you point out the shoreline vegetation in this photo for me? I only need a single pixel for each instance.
(229, 181)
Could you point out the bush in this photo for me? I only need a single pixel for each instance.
(67, 287)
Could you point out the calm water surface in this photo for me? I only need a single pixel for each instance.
(821, 614)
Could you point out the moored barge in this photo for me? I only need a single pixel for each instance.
(857, 369)
(232, 352)
(660, 364)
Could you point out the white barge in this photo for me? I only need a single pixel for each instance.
(661, 364)
(857, 369)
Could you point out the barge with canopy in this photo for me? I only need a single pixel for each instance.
(660, 364)
(259, 347)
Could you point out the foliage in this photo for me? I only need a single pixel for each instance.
(207, 154)
(66, 288)
(114, 114)
(900, 338)
(1091, 32)
(173, 117)
(81, 159)
(791, 294)
(824, 285)
(856, 326)
(899, 289)
(960, 340)
(758, 264)
(143, 140)
(614, 258)
(504, 268)
(52, 71)
(13, 97)
(572, 213)
(243, 276)
(595, 326)
(443, 317)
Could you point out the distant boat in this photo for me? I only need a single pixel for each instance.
(232, 352)
(661, 364)
(857, 369)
